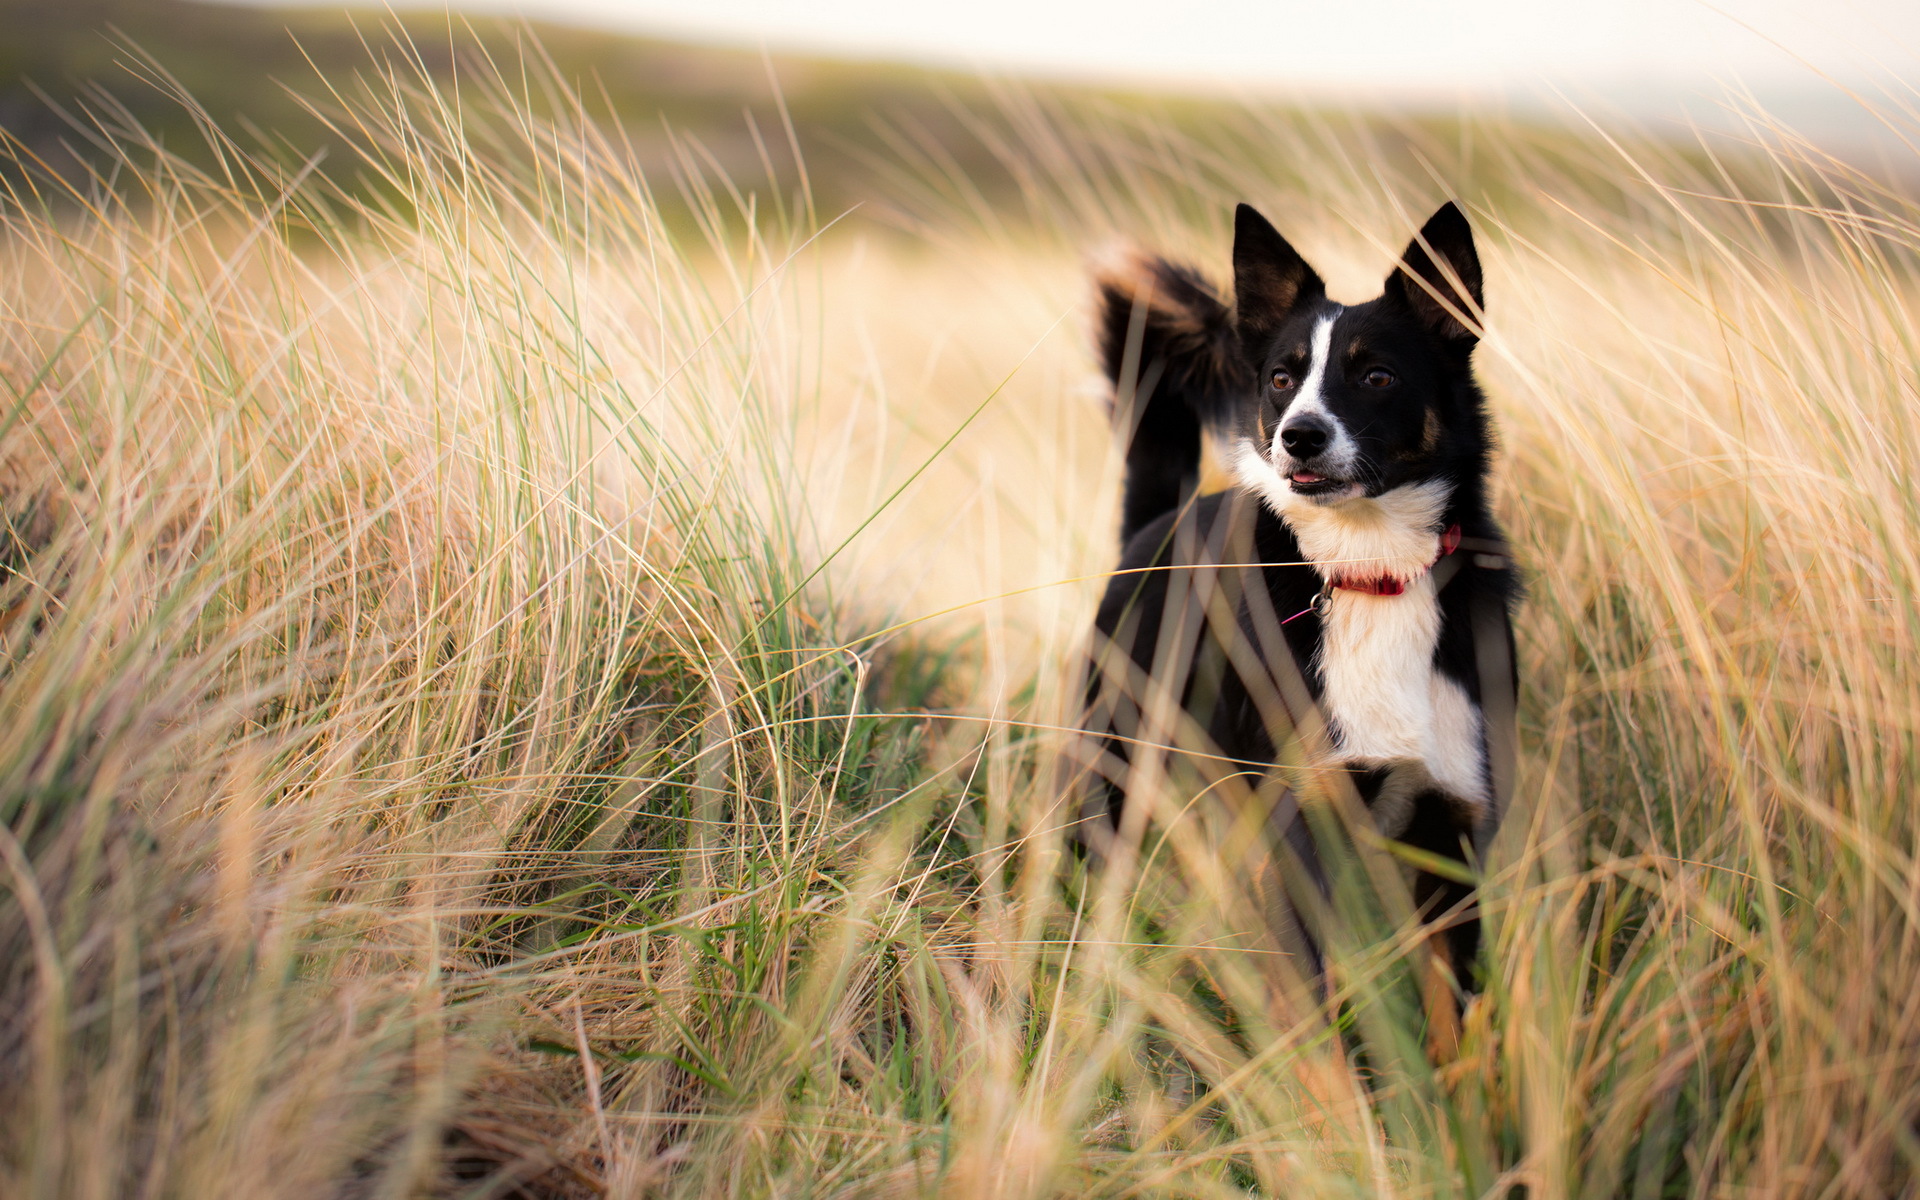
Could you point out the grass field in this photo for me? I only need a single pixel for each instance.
(531, 686)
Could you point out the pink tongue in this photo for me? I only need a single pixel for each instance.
(1307, 477)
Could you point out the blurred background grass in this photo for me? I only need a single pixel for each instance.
(129, 59)
(876, 135)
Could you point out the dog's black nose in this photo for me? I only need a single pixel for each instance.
(1305, 437)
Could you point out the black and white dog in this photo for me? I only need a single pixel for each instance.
(1347, 605)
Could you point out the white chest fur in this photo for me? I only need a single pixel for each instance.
(1382, 695)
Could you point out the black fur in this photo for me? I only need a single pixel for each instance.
(1204, 588)
(1167, 343)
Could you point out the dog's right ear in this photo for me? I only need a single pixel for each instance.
(1270, 279)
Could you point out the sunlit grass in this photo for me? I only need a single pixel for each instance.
(512, 689)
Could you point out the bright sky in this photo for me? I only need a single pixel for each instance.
(1353, 45)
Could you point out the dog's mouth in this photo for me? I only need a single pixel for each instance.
(1312, 483)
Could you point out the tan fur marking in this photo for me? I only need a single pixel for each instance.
(1436, 996)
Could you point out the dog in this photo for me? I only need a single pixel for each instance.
(1348, 603)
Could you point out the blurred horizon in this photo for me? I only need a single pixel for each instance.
(1673, 66)
(854, 76)
(1380, 48)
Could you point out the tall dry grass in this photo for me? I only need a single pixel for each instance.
(520, 686)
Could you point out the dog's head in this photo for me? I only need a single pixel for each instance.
(1354, 401)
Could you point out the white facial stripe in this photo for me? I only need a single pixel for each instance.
(1317, 355)
(1340, 455)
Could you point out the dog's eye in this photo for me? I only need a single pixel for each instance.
(1282, 381)
(1378, 379)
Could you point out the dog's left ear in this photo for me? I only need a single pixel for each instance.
(1434, 289)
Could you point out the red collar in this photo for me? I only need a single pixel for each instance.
(1393, 585)
(1378, 585)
